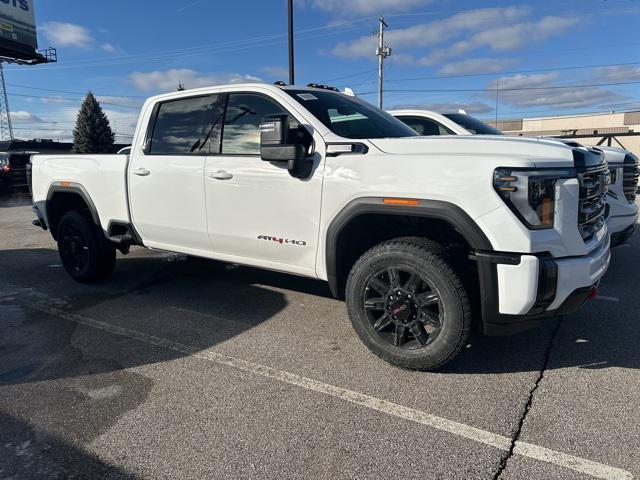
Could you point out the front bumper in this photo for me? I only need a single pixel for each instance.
(519, 290)
(621, 238)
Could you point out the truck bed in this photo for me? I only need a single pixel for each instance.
(102, 177)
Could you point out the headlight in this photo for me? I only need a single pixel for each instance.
(530, 194)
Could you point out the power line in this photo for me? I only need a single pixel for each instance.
(510, 72)
(74, 93)
(552, 87)
(66, 99)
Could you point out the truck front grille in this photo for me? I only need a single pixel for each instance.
(592, 204)
(631, 172)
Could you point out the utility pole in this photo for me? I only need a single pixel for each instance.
(497, 99)
(290, 22)
(6, 129)
(382, 52)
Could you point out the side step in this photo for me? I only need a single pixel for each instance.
(122, 240)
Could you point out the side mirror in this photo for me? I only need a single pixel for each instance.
(275, 147)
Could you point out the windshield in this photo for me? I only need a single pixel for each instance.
(474, 125)
(350, 117)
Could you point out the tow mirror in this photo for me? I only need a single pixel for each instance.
(275, 146)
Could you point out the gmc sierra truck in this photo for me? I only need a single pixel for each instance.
(622, 209)
(423, 236)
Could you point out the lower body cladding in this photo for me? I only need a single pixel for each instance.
(622, 228)
(520, 290)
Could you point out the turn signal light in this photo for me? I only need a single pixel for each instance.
(401, 201)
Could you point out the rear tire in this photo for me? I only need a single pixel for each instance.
(85, 252)
(407, 304)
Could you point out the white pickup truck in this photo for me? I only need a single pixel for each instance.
(423, 236)
(622, 209)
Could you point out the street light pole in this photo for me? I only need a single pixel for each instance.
(382, 52)
(290, 21)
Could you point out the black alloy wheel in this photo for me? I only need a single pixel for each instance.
(403, 308)
(74, 248)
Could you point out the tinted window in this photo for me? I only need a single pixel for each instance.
(350, 117)
(426, 126)
(188, 126)
(241, 133)
(474, 125)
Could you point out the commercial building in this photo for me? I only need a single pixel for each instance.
(616, 129)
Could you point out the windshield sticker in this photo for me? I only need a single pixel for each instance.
(307, 96)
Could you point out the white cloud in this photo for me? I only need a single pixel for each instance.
(62, 34)
(24, 116)
(365, 7)
(434, 33)
(167, 80)
(476, 65)
(448, 107)
(111, 48)
(56, 99)
(510, 37)
(121, 101)
(622, 73)
(531, 90)
(281, 73)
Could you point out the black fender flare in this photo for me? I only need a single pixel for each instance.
(76, 189)
(435, 209)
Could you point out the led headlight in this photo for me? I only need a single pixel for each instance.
(530, 194)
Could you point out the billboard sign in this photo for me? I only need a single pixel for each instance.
(18, 27)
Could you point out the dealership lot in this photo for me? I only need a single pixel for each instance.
(183, 368)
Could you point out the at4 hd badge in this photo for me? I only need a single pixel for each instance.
(282, 241)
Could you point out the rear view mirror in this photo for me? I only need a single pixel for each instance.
(275, 146)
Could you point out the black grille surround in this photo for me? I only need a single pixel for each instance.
(592, 204)
(630, 176)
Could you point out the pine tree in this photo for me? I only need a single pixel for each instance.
(92, 133)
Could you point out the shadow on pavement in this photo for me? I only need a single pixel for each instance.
(34, 454)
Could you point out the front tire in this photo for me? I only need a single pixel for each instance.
(407, 304)
(84, 251)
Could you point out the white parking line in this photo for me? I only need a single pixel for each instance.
(501, 442)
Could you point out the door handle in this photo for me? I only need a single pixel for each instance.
(142, 172)
(221, 175)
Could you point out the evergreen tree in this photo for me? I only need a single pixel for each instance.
(93, 133)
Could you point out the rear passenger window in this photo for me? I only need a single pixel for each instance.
(245, 111)
(188, 126)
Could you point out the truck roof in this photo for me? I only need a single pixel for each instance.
(234, 86)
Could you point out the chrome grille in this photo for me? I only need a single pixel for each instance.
(630, 175)
(592, 204)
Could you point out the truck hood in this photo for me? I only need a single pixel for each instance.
(516, 151)
(613, 154)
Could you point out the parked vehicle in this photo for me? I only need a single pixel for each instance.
(622, 215)
(5, 172)
(13, 170)
(420, 235)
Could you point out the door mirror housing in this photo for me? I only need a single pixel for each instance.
(276, 145)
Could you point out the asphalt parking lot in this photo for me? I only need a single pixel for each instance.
(182, 368)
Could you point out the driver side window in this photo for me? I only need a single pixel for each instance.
(241, 130)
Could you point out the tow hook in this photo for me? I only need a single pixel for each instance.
(594, 293)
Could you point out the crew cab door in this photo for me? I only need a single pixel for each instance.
(257, 212)
(166, 181)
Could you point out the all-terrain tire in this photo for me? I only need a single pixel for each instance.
(429, 261)
(85, 252)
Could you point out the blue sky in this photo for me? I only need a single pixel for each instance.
(458, 51)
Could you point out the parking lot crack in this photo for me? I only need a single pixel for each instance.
(528, 404)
